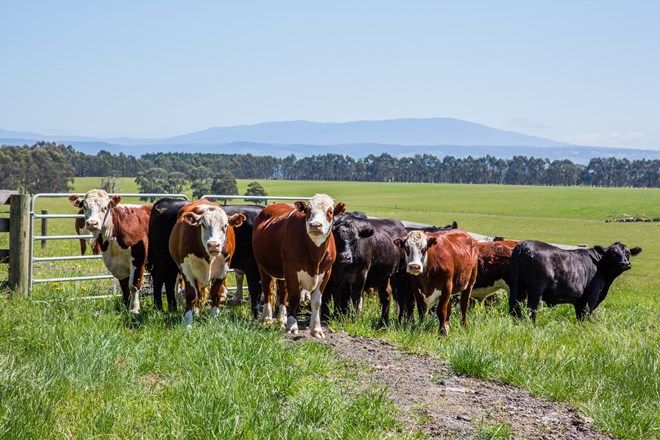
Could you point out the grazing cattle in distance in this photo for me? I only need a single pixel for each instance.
(163, 268)
(582, 277)
(121, 232)
(294, 243)
(79, 225)
(494, 267)
(440, 265)
(243, 261)
(202, 244)
(366, 258)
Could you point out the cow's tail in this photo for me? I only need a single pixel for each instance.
(516, 287)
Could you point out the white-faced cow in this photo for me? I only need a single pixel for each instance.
(294, 243)
(582, 277)
(79, 225)
(121, 231)
(440, 265)
(202, 244)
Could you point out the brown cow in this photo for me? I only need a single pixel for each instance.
(202, 244)
(121, 232)
(441, 264)
(494, 264)
(294, 243)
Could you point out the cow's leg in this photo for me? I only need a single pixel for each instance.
(292, 287)
(139, 255)
(267, 287)
(345, 292)
(191, 295)
(282, 300)
(254, 287)
(585, 305)
(533, 302)
(328, 294)
(240, 277)
(357, 291)
(170, 286)
(443, 309)
(422, 306)
(83, 247)
(216, 294)
(125, 290)
(157, 282)
(465, 304)
(385, 296)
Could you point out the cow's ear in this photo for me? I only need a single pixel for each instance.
(237, 220)
(431, 241)
(454, 225)
(114, 201)
(635, 251)
(76, 200)
(365, 232)
(191, 218)
(398, 242)
(339, 209)
(599, 249)
(300, 205)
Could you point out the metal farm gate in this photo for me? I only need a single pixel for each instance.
(42, 238)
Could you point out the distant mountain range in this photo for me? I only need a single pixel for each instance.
(398, 137)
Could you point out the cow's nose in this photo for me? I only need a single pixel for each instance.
(213, 245)
(92, 223)
(315, 225)
(414, 267)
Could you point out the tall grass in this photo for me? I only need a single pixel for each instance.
(84, 369)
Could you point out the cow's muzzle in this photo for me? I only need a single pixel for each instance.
(414, 269)
(214, 248)
(92, 225)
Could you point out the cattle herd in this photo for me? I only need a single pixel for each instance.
(315, 248)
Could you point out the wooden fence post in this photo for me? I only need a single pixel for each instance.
(44, 228)
(19, 244)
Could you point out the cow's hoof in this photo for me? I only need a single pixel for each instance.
(317, 333)
(239, 299)
(292, 331)
(134, 311)
(188, 327)
(444, 330)
(267, 322)
(196, 311)
(215, 311)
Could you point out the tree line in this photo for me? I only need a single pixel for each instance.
(51, 167)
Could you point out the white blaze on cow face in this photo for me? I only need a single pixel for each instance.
(320, 212)
(416, 245)
(97, 206)
(213, 223)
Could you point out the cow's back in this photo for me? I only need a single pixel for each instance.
(455, 254)
(270, 232)
(494, 261)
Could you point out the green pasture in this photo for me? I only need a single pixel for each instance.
(83, 369)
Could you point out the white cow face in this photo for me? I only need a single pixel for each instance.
(416, 245)
(97, 206)
(213, 223)
(320, 212)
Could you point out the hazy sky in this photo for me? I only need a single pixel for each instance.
(580, 71)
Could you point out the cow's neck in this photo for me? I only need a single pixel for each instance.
(316, 251)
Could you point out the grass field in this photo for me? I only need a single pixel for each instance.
(81, 368)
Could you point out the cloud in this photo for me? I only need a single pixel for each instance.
(611, 139)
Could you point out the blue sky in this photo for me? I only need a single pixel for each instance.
(580, 71)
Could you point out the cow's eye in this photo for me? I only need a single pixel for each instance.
(104, 209)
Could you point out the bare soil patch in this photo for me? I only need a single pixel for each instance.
(442, 404)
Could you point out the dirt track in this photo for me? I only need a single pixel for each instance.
(442, 404)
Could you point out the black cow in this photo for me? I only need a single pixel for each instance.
(164, 270)
(581, 277)
(243, 258)
(366, 258)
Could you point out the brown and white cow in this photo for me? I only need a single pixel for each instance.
(494, 268)
(440, 265)
(202, 244)
(79, 225)
(294, 243)
(121, 232)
